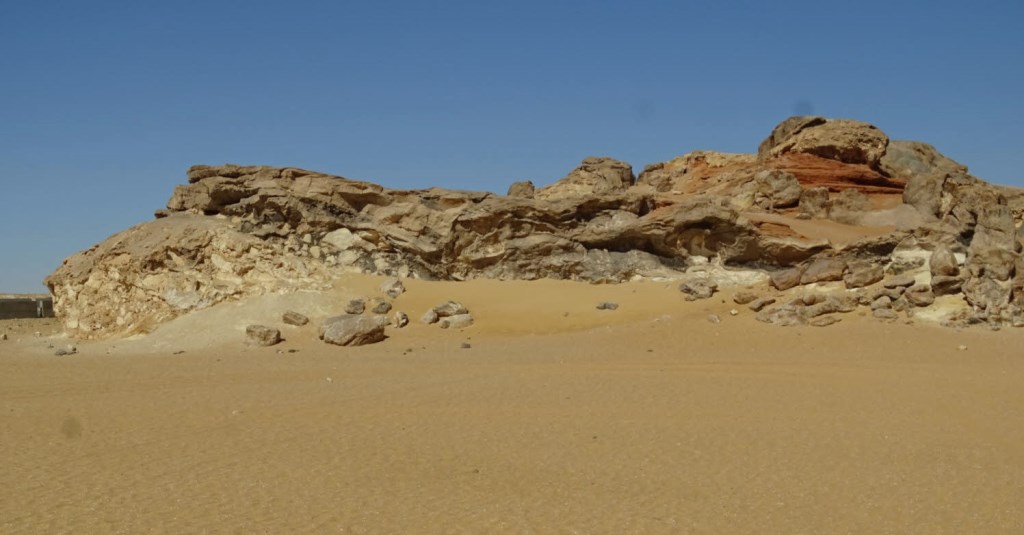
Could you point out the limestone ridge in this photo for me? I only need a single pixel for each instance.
(235, 231)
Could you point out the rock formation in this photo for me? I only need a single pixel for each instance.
(235, 231)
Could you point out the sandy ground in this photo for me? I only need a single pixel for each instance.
(558, 418)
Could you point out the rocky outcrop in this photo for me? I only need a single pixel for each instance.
(595, 176)
(834, 153)
(524, 189)
(159, 270)
(843, 140)
(234, 231)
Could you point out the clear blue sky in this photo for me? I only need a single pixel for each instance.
(103, 105)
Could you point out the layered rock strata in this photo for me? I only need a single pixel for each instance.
(822, 200)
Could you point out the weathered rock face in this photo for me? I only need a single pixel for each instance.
(923, 169)
(842, 140)
(235, 231)
(595, 176)
(833, 153)
(159, 270)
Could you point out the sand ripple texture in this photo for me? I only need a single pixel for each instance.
(668, 426)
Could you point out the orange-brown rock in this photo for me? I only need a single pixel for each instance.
(815, 171)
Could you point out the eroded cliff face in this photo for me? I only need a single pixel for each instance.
(235, 231)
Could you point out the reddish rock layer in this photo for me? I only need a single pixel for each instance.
(813, 171)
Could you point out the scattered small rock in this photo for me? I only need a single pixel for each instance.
(830, 304)
(883, 302)
(457, 321)
(429, 317)
(743, 297)
(451, 308)
(900, 281)
(920, 295)
(810, 299)
(294, 318)
(3, 336)
(824, 321)
(885, 314)
(607, 305)
(66, 350)
(946, 284)
(862, 274)
(943, 262)
(392, 288)
(785, 316)
(892, 293)
(785, 279)
(759, 304)
(451, 314)
(713, 318)
(261, 335)
(698, 288)
(466, 345)
(961, 347)
(401, 319)
(733, 312)
(355, 306)
(379, 306)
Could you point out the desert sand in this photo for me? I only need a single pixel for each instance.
(558, 417)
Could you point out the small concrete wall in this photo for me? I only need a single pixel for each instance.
(26, 307)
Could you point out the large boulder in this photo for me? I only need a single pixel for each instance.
(844, 140)
(991, 256)
(925, 171)
(353, 330)
(824, 270)
(943, 262)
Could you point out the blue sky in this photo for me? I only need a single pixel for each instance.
(104, 105)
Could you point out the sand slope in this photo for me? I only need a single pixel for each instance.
(647, 419)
